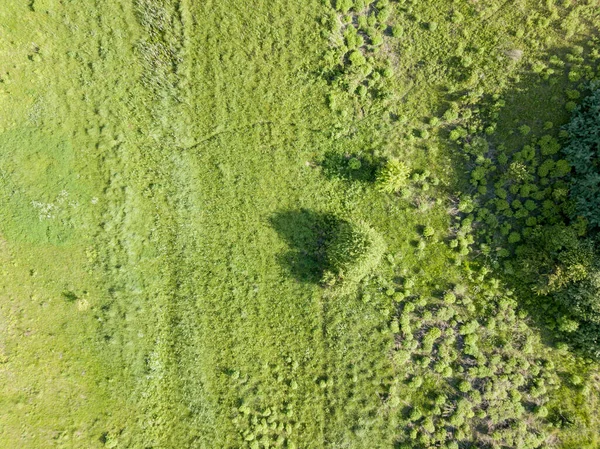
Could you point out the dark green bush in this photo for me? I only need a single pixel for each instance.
(582, 150)
(583, 298)
(554, 257)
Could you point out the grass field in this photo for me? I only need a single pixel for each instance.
(167, 168)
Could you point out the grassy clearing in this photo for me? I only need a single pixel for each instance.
(168, 170)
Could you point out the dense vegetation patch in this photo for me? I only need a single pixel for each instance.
(583, 153)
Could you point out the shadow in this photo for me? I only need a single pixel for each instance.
(351, 167)
(69, 296)
(306, 233)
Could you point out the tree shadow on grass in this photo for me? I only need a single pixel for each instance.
(305, 232)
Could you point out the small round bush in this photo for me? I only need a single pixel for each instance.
(574, 76)
(449, 298)
(428, 232)
(397, 31)
(530, 205)
(377, 40)
(356, 58)
(354, 163)
(464, 386)
(524, 130)
(541, 411)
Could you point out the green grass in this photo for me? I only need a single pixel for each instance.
(171, 297)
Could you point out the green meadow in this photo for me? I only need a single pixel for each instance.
(309, 224)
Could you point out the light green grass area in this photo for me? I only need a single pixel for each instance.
(168, 170)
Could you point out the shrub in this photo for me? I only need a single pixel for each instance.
(354, 250)
(392, 176)
(354, 163)
(449, 298)
(516, 204)
(415, 415)
(362, 22)
(502, 205)
(451, 114)
(397, 31)
(428, 232)
(548, 145)
(561, 168)
(376, 40)
(574, 76)
(351, 38)
(478, 174)
(541, 411)
(567, 325)
(383, 14)
(428, 425)
(518, 171)
(343, 6)
(356, 58)
(545, 168)
(514, 237)
(359, 5)
(524, 130)
(464, 386)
